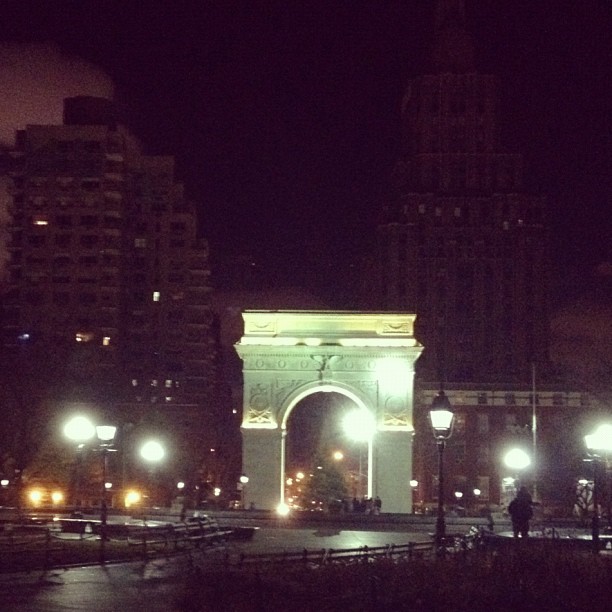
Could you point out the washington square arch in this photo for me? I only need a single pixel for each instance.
(367, 357)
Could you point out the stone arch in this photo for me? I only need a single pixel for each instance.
(288, 355)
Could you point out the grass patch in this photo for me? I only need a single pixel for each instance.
(532, 578)
(43, 551)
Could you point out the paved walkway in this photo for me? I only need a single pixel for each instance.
(158, 585)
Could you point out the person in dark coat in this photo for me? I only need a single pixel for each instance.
(521, 511)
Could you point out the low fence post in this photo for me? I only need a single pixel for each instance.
(144, 543)
(47, 548)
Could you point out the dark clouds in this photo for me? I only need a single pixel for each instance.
(36, 78)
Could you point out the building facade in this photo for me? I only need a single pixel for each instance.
(463, 245)
(107, 293)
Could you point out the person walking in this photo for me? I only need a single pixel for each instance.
(521, 512)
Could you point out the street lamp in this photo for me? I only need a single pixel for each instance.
(360, 426)
(152, 452)
(80, 430)
(244, 479)
(414, 487)
(106, 436)
(517, 460)
(598, 443)
(441, 418)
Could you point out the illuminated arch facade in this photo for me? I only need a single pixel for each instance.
(288, 355)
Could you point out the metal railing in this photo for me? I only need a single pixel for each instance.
(68, 542)
(327, 556)
(453, 544)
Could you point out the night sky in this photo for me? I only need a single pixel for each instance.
(283, 115)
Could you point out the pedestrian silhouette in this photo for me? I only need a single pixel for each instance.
(521, 511)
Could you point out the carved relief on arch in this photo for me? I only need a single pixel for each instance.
(369, 387)
(396, 327)
(326, 365)
(259, 409)
(394, 420)
(395, 414)
(283, 389)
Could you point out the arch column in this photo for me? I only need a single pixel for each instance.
(392, 470)
(263, 457)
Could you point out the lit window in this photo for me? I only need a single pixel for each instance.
(168, 398)
(134, 382)
(156, 296)
(84, 336)
(140, 243)
(40, 221)
(168, 383)
(106, 340)
(154, 382)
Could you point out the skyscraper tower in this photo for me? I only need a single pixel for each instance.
(461, 243)
(107, 281)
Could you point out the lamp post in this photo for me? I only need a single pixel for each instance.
(80, 430)
(244, 479)
(441, 418)
(360, 426)
(106, 435)
(598, 444)
(152, 452)
(517, 460)
(414, 484)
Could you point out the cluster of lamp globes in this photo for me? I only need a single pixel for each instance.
(81, 431)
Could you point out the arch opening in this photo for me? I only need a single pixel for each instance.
(328, 465)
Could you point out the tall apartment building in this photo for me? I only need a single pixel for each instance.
(464, 246)
(108, 283)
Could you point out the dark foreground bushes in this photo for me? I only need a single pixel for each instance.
(523, 579)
